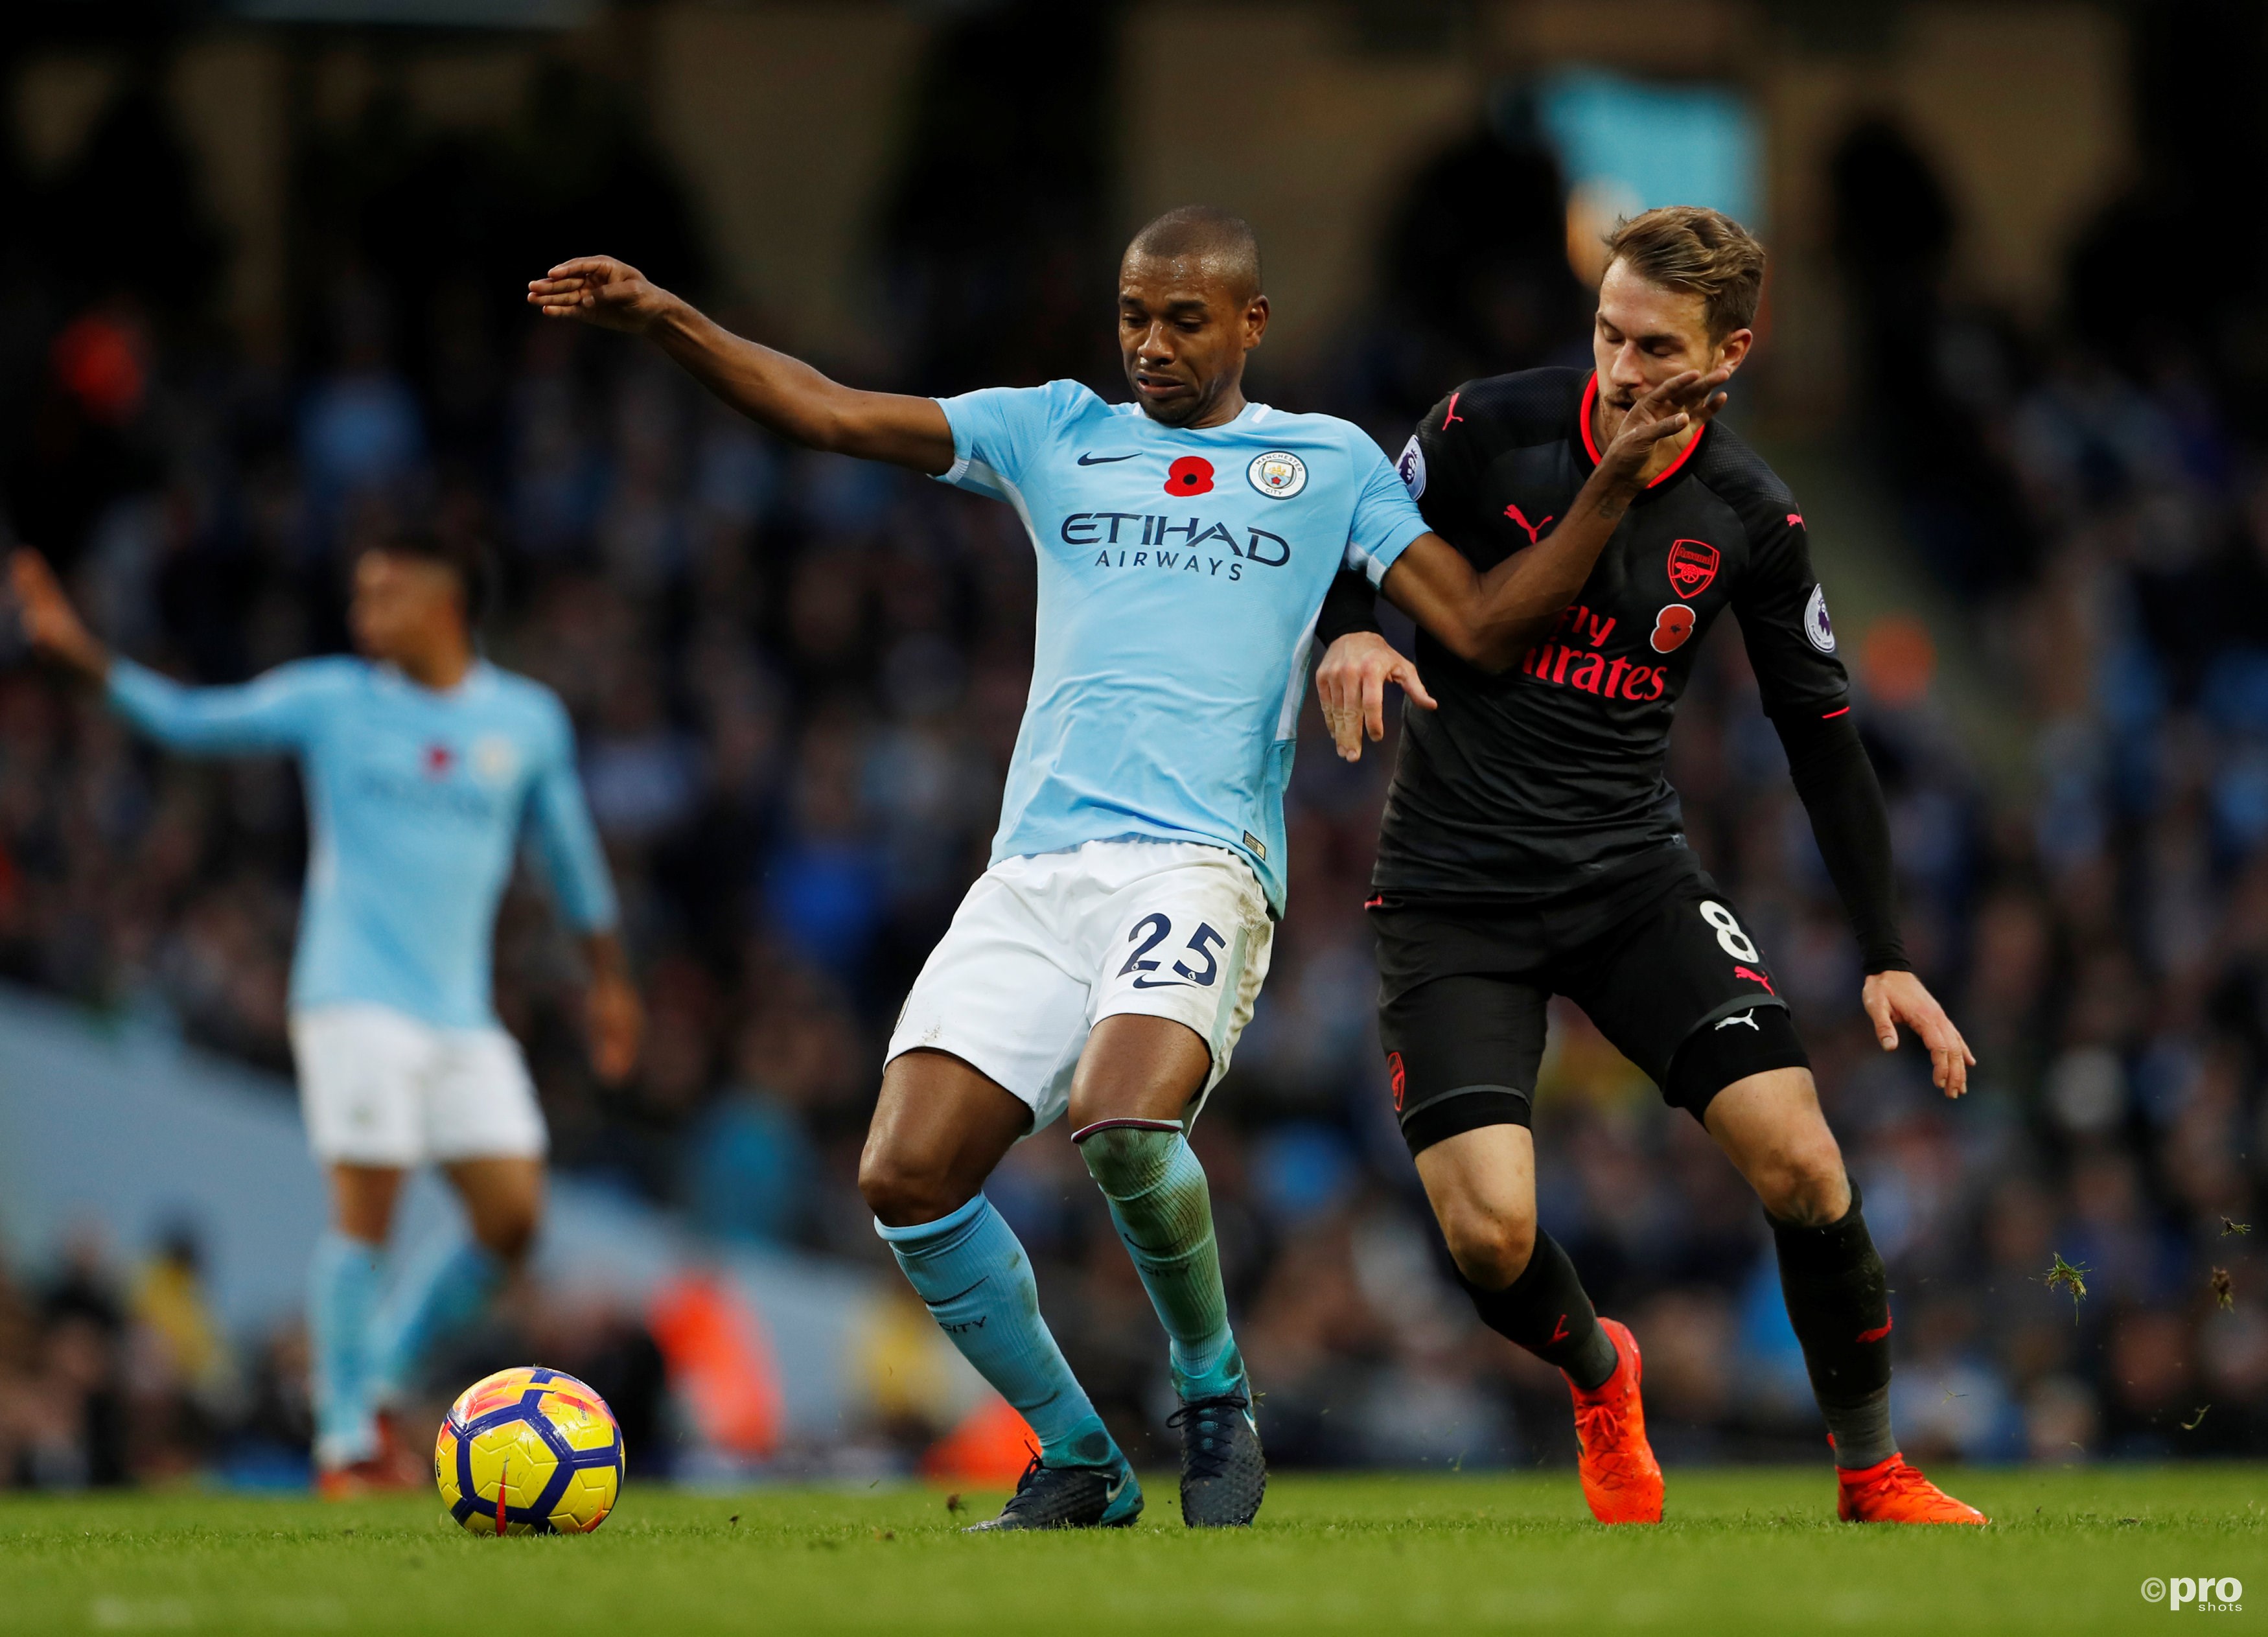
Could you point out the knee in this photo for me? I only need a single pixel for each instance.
(507, 1232)
(1127, 1159)
(900, 1191)
(1490, 1249)
(1805, 1183)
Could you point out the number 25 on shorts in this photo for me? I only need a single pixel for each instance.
(1159, 928)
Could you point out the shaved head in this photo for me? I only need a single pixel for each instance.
(1223, 246)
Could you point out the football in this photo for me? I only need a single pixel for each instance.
(530, 1452)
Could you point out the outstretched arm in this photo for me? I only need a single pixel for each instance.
(1491, 620)
(778, 392)
(266, 713)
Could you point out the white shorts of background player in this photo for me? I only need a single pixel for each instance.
(382, 1088)
(1045, 946)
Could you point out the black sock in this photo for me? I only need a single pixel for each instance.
(1546, 1311)
(1839, 1303)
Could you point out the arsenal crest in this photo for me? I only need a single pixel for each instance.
(1693, 565)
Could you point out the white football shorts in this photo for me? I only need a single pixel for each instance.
(1044, 947)
(380, 1087)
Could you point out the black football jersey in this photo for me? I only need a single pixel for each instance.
(1550, 775)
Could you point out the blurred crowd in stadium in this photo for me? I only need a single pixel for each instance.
(797, 680)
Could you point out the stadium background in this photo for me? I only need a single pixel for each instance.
(259, 293)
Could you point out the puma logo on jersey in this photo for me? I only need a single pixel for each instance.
(1535, 530)
(1748, 1017)
(1754, 977)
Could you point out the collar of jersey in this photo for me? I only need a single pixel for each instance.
(1583, 422)
(1250, 411)
(475, 679)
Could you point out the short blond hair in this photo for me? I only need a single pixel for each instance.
(1690, 248)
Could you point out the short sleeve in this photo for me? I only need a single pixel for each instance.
(998, 431)
(1785, 624)
(1386, 519)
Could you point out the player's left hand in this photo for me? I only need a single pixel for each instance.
(1895, 998)
(1350, 682)
(617, 1022)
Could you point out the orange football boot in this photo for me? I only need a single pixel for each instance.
(1891, 1492)
(355, 1480)
(391, 1469)
(1621, 1478)
(406, 1466)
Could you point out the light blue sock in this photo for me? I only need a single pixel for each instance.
(342, 1289)
(1159, 1199)
(445, 1290)
(973, 1273)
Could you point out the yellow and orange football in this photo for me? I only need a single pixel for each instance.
(530, 1452)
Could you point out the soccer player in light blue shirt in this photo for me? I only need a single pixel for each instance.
(423, 766)
(1106, 959)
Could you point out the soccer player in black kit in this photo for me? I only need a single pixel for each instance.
(1532, 846)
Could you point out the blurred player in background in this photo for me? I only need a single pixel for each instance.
(1532, 847)
(1106, 962)
(423, 764)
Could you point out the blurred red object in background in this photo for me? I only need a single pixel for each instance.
(102, 362)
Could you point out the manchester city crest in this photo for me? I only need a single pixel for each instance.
(1279, 474)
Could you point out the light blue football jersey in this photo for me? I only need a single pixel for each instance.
(416, 803)
(1180, 575)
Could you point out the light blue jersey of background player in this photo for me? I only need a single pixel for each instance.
(422, 766)
(417, 800)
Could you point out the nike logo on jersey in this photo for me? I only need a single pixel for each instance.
(1089, 458)
(1874, 1335)
(1163, 983)
(1748, 1017)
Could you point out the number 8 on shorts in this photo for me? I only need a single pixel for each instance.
(1730, 938)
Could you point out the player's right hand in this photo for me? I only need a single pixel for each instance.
(1685, 399)
(51, 624)
(599, 289)
(1350, 682)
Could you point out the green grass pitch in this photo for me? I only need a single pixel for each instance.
(1749, 1550)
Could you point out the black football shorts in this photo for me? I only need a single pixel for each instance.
(1662, 964)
